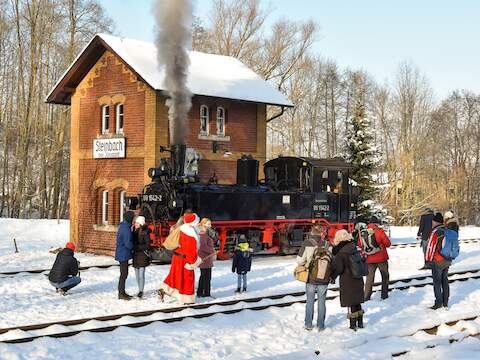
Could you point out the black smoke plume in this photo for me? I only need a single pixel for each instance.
(174, 22)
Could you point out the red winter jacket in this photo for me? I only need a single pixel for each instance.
(384, 242)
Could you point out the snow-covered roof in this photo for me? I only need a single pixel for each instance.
(209, 74)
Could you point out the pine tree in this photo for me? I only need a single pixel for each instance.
(363, 155)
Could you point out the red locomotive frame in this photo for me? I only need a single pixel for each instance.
(270, 230)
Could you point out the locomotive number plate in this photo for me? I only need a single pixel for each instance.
(321, 207)
(152, 198)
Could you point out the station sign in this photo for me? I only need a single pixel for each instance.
(109, 148)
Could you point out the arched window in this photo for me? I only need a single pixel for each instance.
(122, 204)
(105, 118)
(204, 114)
(119, 118)
(105, 207)
(220, 121)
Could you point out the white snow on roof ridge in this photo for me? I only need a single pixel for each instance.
(210, 74)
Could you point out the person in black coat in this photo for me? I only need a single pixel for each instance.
(242, 263)
(424, 231)
(351, 289)
(64, 273)
(141, 244)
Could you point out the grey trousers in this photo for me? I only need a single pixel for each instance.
(372, 268)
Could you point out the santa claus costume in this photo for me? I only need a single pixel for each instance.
(180, 282)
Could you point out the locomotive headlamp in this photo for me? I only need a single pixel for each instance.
(152, 172)
(131, 202)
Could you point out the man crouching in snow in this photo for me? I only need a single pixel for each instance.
(180, 282)
(63, 275)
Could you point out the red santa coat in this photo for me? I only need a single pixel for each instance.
(180, 282)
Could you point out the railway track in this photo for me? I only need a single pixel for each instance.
(13, 273)
(259, 303)
(434, 330)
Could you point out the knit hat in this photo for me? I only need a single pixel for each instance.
(191, 219)
(374, 220)
(448, 215)
(242, 239)
(140, 220)
(438, 217)
(342, 235)
(451, 220)
(70, 245)
(128, 216)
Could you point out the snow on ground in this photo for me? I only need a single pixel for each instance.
(273, 333)
(34, 240)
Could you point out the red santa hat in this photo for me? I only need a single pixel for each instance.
(191, 219)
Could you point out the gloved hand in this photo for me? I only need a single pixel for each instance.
(194, 265)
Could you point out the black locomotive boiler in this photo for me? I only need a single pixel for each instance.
(274, 213)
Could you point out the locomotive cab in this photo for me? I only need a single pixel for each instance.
(327, 180)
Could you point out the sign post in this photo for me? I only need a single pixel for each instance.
(113, 148)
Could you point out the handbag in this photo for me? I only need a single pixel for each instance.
(301, 273)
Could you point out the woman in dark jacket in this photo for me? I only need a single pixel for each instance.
(141, 244)
(207, 253)
(351, 289)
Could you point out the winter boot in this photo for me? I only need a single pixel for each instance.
(244, 289)
(360, 319)
(353, 324)
(238, 291)
(140, 294)
(161, 295)
(124, 296)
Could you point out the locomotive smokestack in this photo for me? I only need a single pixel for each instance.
(174, 22)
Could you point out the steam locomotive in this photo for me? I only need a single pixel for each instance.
(273, 213)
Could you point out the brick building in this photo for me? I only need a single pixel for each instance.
(119, 121)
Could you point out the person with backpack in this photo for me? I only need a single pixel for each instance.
(64, 274)
(180, 281)
(443, 247)
(351, 267)
(242, 263)
(141, 259)
(374, 243)
(124, 252)
(316, 255)
(424, 231)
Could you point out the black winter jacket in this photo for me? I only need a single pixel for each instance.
(65, 265)
(141, 243)
(425, 227)
(351, 289)
(242, 261)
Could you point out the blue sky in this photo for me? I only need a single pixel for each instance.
(441, 37)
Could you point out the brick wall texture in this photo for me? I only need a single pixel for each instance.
(145, 128)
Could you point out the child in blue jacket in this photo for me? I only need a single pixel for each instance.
(242, 262)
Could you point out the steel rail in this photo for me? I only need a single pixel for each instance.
(108, 328)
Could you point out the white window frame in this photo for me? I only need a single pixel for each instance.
(105, 119)
(122, 204)
(118, 114)
(105, 207)
(204, 118)
(220, 118)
